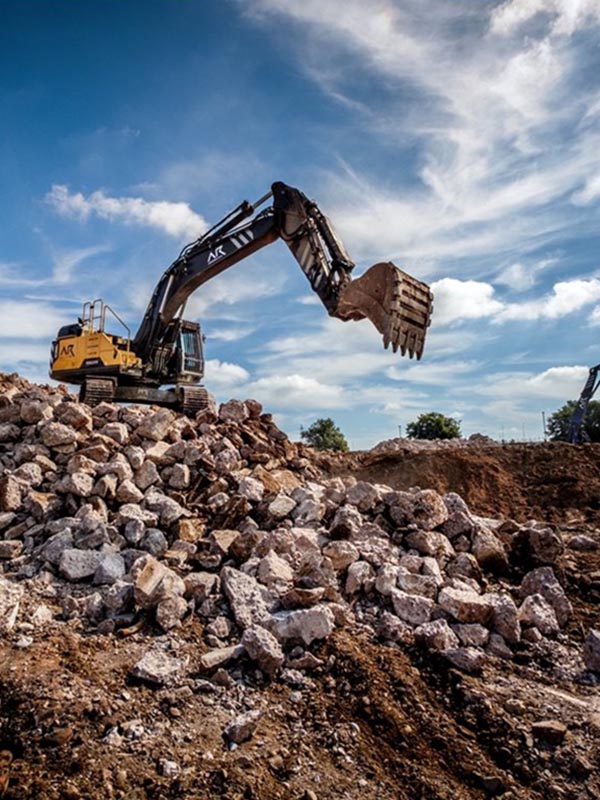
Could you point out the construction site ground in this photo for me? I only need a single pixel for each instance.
(380, 721)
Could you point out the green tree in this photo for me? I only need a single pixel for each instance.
(559, 424)
(433, 426)
(324, 434)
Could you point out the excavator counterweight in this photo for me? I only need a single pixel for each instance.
(167, 349)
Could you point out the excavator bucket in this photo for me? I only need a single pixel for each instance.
(397, 304)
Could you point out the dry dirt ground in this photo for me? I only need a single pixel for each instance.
(376, 722)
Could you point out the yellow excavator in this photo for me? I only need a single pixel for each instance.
(167, 350)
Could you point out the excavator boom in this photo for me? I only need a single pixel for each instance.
(168, 349)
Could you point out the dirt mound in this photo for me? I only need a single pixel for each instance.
(201, 608)
(555, 481)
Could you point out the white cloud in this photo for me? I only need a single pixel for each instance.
(565, 298)
(442, 373)
(494, 114)
(27, 320)
(223, 375)
(556, 383)
(459, 300)
(567, 16)
(589, 193)
(64, 264)
(176, 219)
(296, 392)
(229, 334)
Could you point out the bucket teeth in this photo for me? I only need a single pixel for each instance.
(397, 304)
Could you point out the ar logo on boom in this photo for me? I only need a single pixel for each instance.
(68, 350)
(215, 254)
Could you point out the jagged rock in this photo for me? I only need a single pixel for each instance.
(472, 635)
(307, 624)
(168, 510)
(413, 609)
(274, 571)
(170, 611)
(537, 545)
(341, 554)
(424, 585)
(363, 495)
(180, 476)
(360, 576)
(200, 585)
(436, 635)
(464, 565)
(78, 483)
(75, 415)
(497, 647)
(220, 656)
(505, 617)
(128, 492)
(582, 543)
(158, 668)
(246, 597)
(550, 730)
(537, 612)
(489, 550)
(154, 581)
(543, 581)
(10, 493)
(55, 434)
(77, 565)
(281, 506)
(466, 606)
(233, 411)
(243, 727)
(591, 650)
(10, 598)
(110, 569)
(424, 508)
(156, 426)
(386, 581)
(116, 431)
(465, 659)
(146, 475)
(10, 549)
(263, 648)
(252, 489)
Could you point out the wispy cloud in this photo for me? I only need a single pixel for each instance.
(494, 101)
(177, 219)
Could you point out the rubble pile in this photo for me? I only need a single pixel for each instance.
(116, 514)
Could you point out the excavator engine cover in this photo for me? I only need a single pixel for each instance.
(397, 304)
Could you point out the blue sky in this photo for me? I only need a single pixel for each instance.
(460, 140)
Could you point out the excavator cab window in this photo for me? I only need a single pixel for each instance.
(191, 350)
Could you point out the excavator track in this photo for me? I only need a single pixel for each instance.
(194, 399)
(97, 390)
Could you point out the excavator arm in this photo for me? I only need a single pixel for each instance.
(578, 417)
(398, 305)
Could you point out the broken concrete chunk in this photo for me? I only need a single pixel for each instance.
(156, 426)
(411, 608)
(243, 727)
(220, 656)
(341, 554)
(10, 598)
(591, 650)
(537, 612)
(158, 668)
(78, 565)
(307, 624)
(436, 635)
(263, 648)
(465, 605)
(246, 597)
(543, 581)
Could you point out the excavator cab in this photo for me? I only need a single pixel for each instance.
(189, 353)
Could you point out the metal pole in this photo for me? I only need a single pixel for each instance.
(544, 425)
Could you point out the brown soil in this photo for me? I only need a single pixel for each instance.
(552, 481)
(379, 723)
